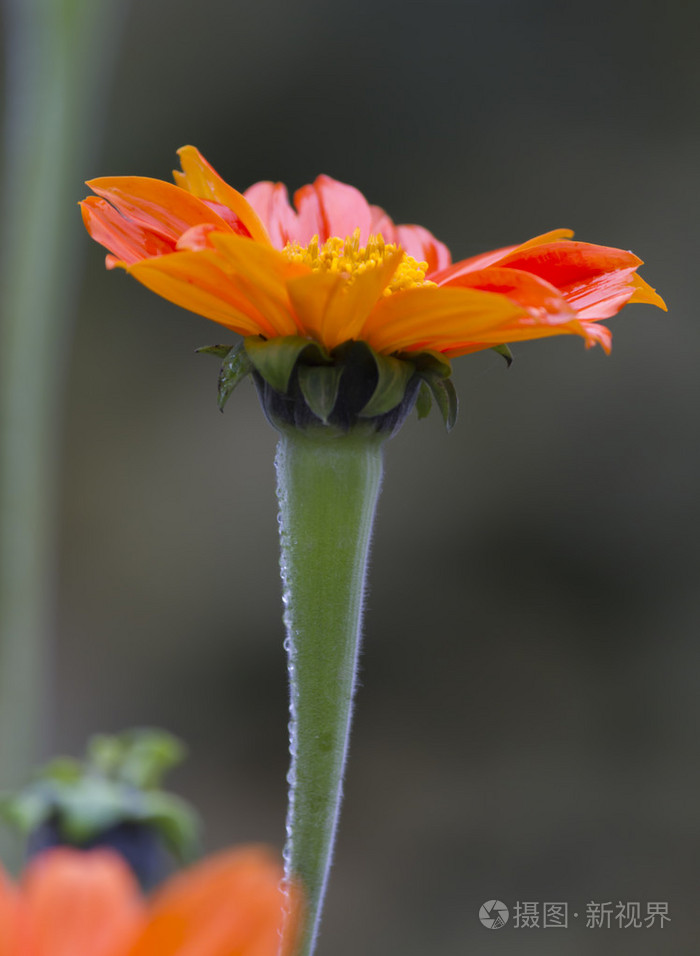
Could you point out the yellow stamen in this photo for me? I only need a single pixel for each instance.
(348, 258)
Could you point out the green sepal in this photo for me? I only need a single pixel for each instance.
(505, 352)
(393, 376)
(275, 359)
(235, 367)
(221, 351)
(428, 363)
(319, 385)
(445, 397)
(424, 401)
(355, 352)
(434, 370)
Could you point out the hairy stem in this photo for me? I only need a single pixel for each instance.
(328, 490)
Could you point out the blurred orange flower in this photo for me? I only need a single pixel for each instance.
(335, 268)
(87, 903)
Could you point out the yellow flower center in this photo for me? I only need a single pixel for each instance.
(348, 258)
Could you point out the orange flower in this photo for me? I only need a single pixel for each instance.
(87, 903)
(335, 268)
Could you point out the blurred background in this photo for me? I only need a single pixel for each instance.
(527, 724)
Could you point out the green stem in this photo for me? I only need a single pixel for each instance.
(58, 55)
(327, 490)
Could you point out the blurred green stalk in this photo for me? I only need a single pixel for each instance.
(58, 54)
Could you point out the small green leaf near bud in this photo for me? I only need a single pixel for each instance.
(505, 352)
(393, 376)
(428, 363)
(24, 812)
(445, 398)
(275, 359)
(424, 402)
(137, 757)
(90, 807)
(175, 821)
(221, 351)
(235, 367)
(319, 385)
(62, 770)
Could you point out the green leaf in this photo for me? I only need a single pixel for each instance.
(105, 753)
(275, 359)
(505, 352)
(139, 758)
(424, 401)
(393, 376)
(220, 350)
(61, 770)
(175, 821)
(234, 369)
(26, 811)
(319, 386)
(445, 397)
(432, 362)
(91, 807)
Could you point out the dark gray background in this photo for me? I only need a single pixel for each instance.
(527, 725)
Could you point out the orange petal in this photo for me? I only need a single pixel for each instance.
(592, 333)
(381, 222)
(261, 274)
(198, 281)
(230, 905)
(491, 258)
(271, 203)
(156, 206)
(330, 208)
(196, 239)
(310, 296)
(598, 335)
(554, 235)
(601, 296)
(9, 915)
(540, 298)
(643, 292)
(202, 180)
(333, 310)
(128, 241)
(596, 280)
(566, 264)
(415, 240)
(423, 246)
(464, 266)
(434, 318)
(79, 903)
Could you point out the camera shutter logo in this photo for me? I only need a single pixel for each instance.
(493, 914)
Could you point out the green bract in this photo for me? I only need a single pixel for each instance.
(346, 386)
